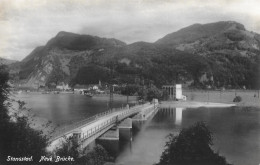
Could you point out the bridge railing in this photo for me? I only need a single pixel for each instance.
(98, 128)
(59, 132)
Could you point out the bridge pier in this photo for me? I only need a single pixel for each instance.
(110, 140)
(125, 130)
(138, 124)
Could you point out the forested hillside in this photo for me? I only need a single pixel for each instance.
(222, 54)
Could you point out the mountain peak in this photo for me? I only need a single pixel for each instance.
(221, 25)
(238, 26)
(197, 31)
(72, 41)
(64, 33)
(231, 25)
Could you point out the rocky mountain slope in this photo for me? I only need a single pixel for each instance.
(59, 60)
(222, 54)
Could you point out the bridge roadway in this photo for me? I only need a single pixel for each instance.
(91, 128)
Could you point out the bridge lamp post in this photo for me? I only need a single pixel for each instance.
(208, 96)
(219, 95)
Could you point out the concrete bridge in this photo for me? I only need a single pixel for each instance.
(88, 130)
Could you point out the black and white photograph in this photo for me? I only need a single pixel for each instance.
(129, 82)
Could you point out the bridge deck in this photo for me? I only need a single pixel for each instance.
(88, 130)
(92, 121)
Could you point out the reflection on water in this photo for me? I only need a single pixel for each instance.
(149, 138)
(236, 134)
(64, 109)
(178, 116)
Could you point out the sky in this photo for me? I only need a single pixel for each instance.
(26, 24)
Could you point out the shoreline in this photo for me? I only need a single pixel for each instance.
(196, 104)
(249, 98)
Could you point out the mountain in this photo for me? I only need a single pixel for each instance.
(199, 31)
(60, 59)
(214, 37)
(232, 52)
(221, 54)
(72, 41)
(4, 61)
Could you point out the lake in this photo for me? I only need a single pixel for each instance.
(63, 109)
(236, 130)
(236, 133)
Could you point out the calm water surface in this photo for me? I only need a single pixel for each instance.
(64, 109)
(236, 134)
(236, 130)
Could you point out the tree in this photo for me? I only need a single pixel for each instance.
(150, 93)
(191, 147)
(3, 94)
(153, 92)
(130, 90)
(70, 147)
(17, 138)
(98, 156)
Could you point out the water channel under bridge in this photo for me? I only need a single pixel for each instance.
(86, 131)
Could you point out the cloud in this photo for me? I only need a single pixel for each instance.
(26, 24)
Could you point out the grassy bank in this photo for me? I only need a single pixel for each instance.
(249, 97)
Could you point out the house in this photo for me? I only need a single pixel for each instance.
(79, 89)
(95, 87)
(63, 87)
